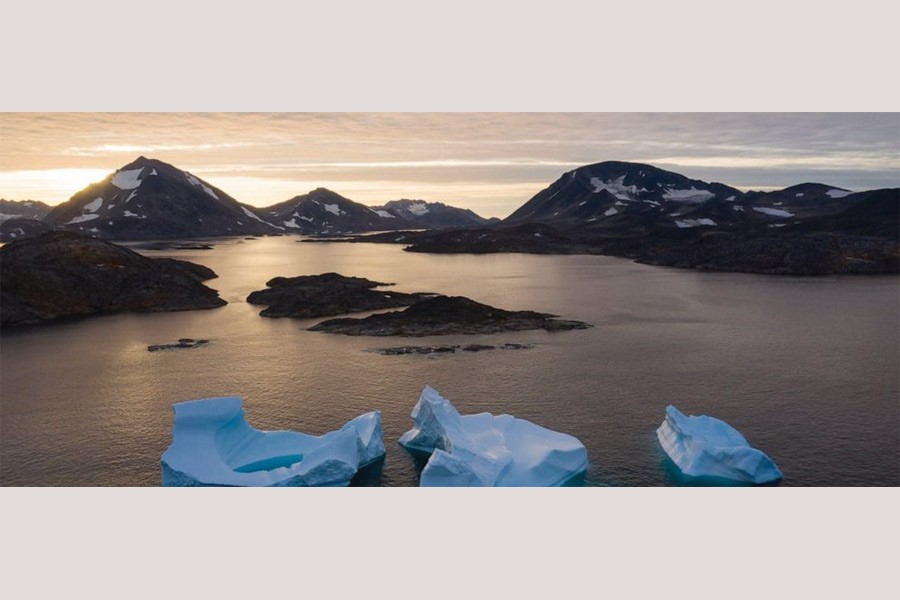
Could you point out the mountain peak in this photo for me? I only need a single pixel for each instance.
(143, 161)
(607, 191)
(148, 198)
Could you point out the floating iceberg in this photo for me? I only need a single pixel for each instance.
(707, 447)
(212, 444)
(484, 450)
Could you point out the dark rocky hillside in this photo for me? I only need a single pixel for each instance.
(61, 274)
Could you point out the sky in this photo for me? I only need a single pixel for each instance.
(491, 163)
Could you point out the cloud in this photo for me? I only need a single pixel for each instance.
(430, 152)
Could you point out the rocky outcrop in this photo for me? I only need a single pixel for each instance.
(182, 343)
(451, 349)
(326, 295)
(446, 315)
(61, 274)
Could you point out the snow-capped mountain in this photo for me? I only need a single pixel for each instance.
(324, 211)
(609, 190)
(418, 214)
(22, 209)
(21, 218)
(149, 199)
(638, 197)
(16, 229)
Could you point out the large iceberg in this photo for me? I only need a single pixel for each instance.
(708, 447)
(489, 451)
(212, 444)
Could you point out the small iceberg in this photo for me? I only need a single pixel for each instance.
(707, 447)
(487, 451)
(213, 445)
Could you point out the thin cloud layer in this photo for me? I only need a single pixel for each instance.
(490, 162)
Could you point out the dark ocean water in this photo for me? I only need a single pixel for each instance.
(806, 368)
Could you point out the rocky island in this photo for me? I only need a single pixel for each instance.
(326, 295)
(447, 315)
(61, 274)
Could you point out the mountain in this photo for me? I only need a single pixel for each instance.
(875, 213)
(635, 199)
(150, 199)
(629, 194)
(22, 209)
(61, 274)
(324, 211)
(418, 214)
(659, 217)
(18, 228)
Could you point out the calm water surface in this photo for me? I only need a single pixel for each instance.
(806, 368)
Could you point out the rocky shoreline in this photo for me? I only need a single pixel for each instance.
(326, 295)
(61, 274)
(446, 315)
(452, 349)
(794, 251)
(182, 343)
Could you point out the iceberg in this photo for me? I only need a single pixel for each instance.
(703, 446)
(489, 451)
(213, 445)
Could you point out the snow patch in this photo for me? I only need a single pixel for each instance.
(385, 214)
(334, 209)
(93, 205)
(729, 199)
(693, 195)
(130, 196)
(737, 208)
(132, 215)
(127, 180)
(292, 223)
(418, 208)
(695, 223)
(615, 187)
(798, 195)
(82, 218)
(250, 214)
(611, 211)
(153, 172)
(838, 193)
(773, 212)
(196, 182)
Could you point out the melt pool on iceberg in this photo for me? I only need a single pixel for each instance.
(212, 444)
(703, 446)
(487, 450)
